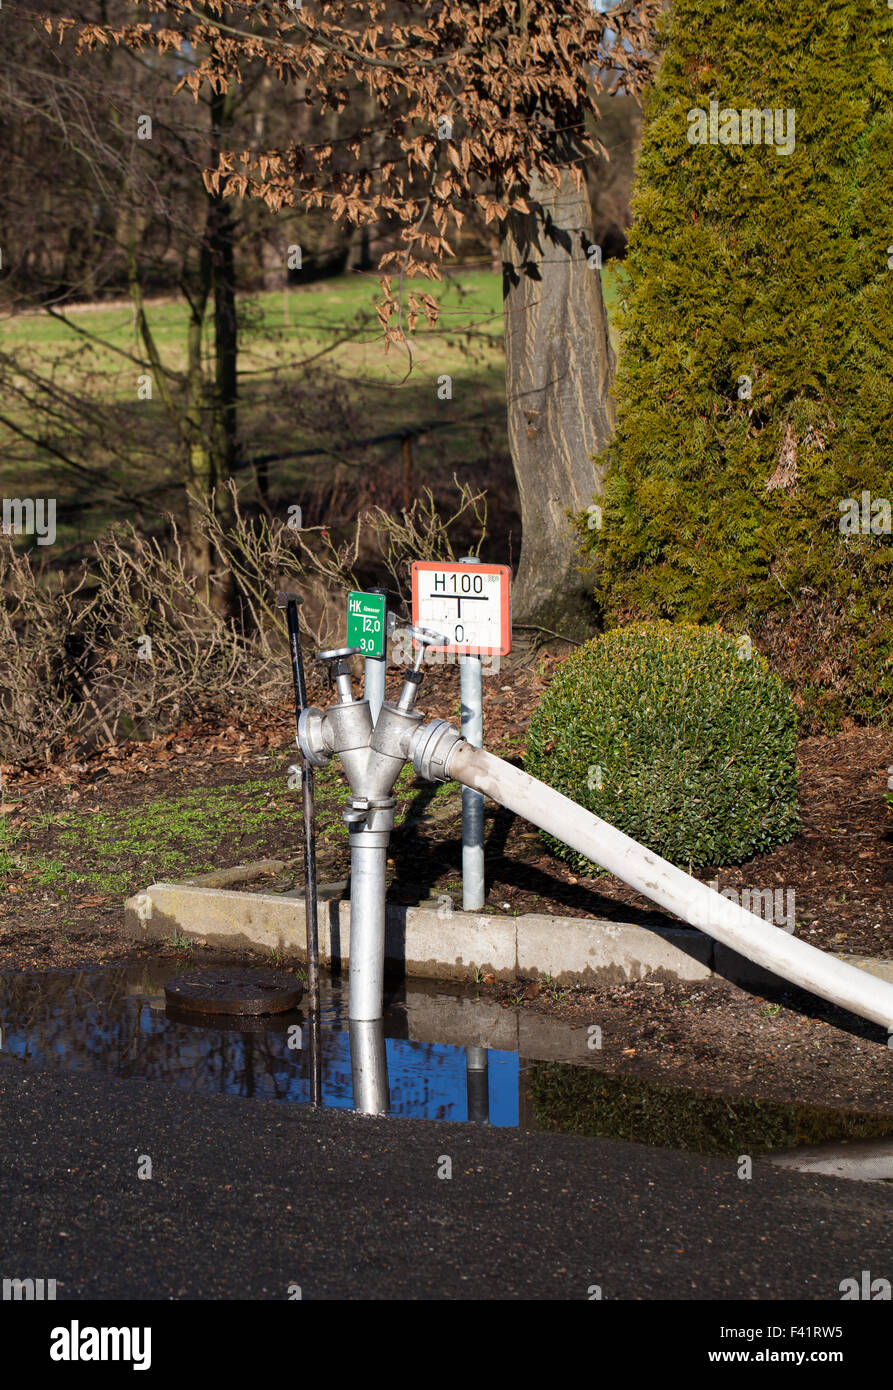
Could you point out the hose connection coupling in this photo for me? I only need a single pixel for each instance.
(347, 725)
(369, 815)
(315, 736)
(432, 747)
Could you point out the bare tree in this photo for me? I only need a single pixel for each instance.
(482, 104)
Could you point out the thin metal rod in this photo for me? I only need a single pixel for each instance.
(309, 808)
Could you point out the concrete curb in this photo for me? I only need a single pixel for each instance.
(446, 944)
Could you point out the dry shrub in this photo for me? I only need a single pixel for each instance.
(130, 644)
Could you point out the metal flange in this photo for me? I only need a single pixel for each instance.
(431, 748)
(375, 813)
(355, 811)
(312, 736)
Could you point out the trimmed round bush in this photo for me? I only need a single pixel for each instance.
(679, 735)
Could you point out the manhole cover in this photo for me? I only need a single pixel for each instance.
(233, 991)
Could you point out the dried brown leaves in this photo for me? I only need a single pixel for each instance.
(467, 100)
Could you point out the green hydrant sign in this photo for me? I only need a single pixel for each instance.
(365, 623)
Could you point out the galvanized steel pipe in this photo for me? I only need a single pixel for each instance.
(368, 867)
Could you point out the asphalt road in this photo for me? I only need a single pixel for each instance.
(249, 1198)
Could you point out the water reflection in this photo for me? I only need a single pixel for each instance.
(114, 1020)
(369, 1066)
(477, 1084)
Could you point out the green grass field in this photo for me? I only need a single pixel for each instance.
(278, 326)
(313, 375)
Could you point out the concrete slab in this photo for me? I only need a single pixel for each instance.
(215, 916)
(737, 969)
(741, 971)
(242, 873)
(446, 945)
(433, 943)
(883, 969)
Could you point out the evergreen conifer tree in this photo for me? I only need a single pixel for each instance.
(754, 449)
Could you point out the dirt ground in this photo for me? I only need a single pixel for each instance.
(721, 1039)
(840, 867)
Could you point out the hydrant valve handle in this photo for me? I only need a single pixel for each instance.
(425, 636)
(337, 658)
(337, 661)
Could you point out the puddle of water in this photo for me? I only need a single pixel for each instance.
(871, 1160)
(115, 1021)
(438, 1055)
(645, 1112)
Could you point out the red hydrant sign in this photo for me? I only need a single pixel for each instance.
(470, 604)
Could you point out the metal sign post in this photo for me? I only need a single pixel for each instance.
(471, 692)
(367, 628)
(473, 608)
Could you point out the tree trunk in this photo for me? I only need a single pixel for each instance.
(200, 475)
(220, 237)
(559, 368)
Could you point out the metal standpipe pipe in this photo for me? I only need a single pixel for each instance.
(477, 1085)
(368, 885)
(369, 1066)
(440, 754)
(372, 755)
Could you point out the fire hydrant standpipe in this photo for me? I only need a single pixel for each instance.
(372, 759)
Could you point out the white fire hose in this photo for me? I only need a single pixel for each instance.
(439, 753)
